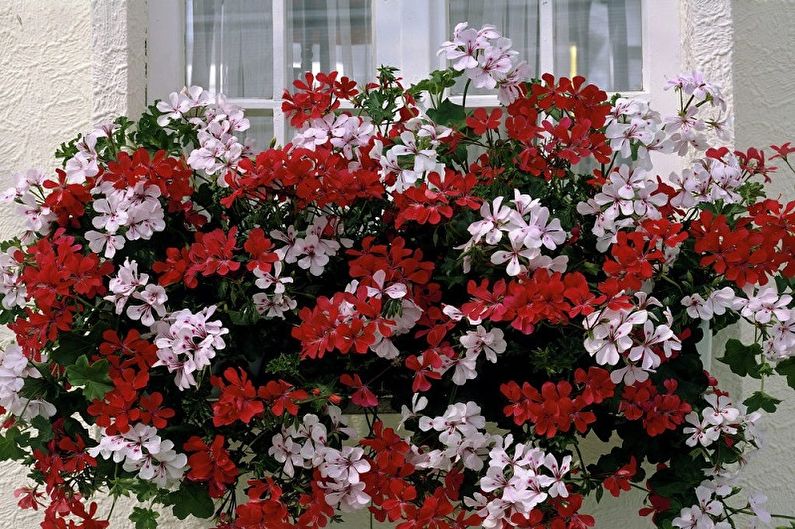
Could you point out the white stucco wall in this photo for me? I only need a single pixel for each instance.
(46, 63)
(68, 64)
(764, 96)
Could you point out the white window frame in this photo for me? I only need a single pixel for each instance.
(407, 34)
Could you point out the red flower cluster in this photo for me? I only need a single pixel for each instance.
(543, 296)
(211, 463)
(743, 253)
(659, 411)
(316, 96)
(554, 408)
(573, 137)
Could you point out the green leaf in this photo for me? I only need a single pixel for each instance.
(448, 114)
(94, 378)
(742, 358)
(9, 447)
(44, 428)
(191, 499)
(787, 368)
(761, 401)
(144, 518)
(70, 347)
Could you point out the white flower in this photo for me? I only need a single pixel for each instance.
(609, 333)
(393, 291)
(187, 342)
(755, 501)
(112, 212)
(164, 467)
(491, 342)
(556, 486)
(125, 283)
(284, 450)
(97, 241)
(274, 279)
(154, 300)
(701, 432)
(720, 410)
(344, 466)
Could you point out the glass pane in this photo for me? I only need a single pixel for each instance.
(330, 35)
(229, 46)
(261, 129)
(515, 19)
(600, 40)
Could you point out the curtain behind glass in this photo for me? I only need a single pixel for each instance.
(229, 46)
(600, 40)
(515, 19)
(330, 35)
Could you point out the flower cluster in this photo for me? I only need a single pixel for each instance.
(486, 287)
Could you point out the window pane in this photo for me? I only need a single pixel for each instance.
(515, 19)
(229, 46)
(261, 129)
(330, 35)
(600, 40)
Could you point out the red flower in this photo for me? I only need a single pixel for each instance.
(211, 463)
(282, 397)
(660, 412)
(619, 480)
(363, 396)
(238, 399)
(260, 248)
(480, 121)
(213, 253)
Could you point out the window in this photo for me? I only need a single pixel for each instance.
(250, 50)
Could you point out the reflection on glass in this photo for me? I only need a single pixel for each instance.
(600, 40)
(229, 46)
(330, 35)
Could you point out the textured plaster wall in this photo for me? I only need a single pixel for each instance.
(764, 97)
(45, 58)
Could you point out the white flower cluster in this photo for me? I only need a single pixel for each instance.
(14, 293)
(490, 343)
(313, 250)
(628, 196)
(517, 482)
(28, 194)
(418, 144)
(135, 209)
(142, 450)
(305, 445)
(612, 337)
(217, 126)
(529, 229)
(14, 369)
(344, 132)
(632, 121)
(461, 430)
(721, 417)
(127, 284)
(486, 58)
(186, 342)
(765, 308)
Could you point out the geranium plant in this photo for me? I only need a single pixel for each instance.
(196, 322)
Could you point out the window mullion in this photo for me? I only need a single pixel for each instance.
(280, 80)
(546, 31)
